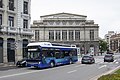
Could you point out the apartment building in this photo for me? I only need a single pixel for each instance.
(15, 32)
(107, 38)
(68, 28)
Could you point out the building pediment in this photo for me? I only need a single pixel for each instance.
(63, 15)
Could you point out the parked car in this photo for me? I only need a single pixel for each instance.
(87, 59)
(108, 58)
(21, 63)
(110, 53)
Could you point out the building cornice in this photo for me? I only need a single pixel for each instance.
(63, 13)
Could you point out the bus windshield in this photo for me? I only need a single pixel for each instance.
(33, 55)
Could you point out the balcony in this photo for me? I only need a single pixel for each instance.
(12, 29)
(27, 16)
(16, 30)
(26, 31)
(12, 10)
(2, 7)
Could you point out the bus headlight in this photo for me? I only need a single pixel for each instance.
(23, 62)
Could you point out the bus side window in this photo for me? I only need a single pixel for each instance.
(74, 52)
(70, 53)
(62, 54)
(57, 55)
(51, 54)
(66, 53)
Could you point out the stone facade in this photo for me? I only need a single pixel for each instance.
(107, 38)
(115, 42)
(15, 32)
(69, 29)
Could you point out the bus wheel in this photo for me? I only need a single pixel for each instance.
(52, 64)
(71, 62)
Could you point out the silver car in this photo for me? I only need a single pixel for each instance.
(108, 58)
(87, 59)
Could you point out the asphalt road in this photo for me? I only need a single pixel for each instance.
(75, 71)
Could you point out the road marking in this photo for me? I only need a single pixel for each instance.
(26, 73)
(18, 74)
(79, 65)
(102, 66)
(72, 71)
(116, 62)
(11, 75)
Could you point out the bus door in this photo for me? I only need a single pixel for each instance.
(73, 55)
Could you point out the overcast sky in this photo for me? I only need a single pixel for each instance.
(105, 13)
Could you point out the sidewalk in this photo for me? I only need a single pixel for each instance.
(7, 67)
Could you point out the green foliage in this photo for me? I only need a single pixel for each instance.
(118, 71)
(110, 77)
(103, 45)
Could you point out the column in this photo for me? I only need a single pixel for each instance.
(60, 35)
(54, 35)
(5, 60)
(73, 35)
(67, 35)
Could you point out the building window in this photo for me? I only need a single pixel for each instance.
(57, 22)
(91, 34)
(51, 22)
(11, 21)
(70, 34)
(25, 7)
(70, 22)
(64, 34)
(77, 34)
(25, 23)
(11, 5)
(77, 22)
(51, 34)
(57, 34)
(0, 19)
(64, 22)
(36, 35)
(1, 3)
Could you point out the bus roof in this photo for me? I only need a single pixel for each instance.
(48, 44)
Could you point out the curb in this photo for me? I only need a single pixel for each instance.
(109, 72)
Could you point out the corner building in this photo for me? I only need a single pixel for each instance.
(69, 29)
(15, 32)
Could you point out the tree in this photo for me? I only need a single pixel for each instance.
(103, 46)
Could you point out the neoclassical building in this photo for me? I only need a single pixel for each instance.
(15, 32)
(69, 29)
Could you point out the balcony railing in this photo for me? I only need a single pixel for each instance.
(12, 30)
(26, 31)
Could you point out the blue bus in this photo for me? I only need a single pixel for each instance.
(46, 54)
